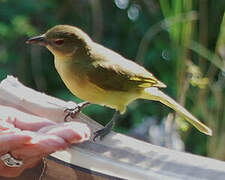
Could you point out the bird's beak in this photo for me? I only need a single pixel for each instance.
(39, 40)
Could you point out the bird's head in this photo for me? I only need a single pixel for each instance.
(62, 40)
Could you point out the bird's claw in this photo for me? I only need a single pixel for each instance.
(72, 112)
(100, 133)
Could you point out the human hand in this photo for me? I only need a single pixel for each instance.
(29, 138)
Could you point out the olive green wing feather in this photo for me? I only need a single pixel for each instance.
(121, 75)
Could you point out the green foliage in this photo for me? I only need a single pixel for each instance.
(182, 42)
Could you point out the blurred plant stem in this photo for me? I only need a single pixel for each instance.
(213, 63)
(162, 25)
(97, 19)
(36, 67)
(215, 114)
(203, 36)
(180, 35)
(206, 54)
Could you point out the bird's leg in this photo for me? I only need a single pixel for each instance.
(72, 112)
(106, 130)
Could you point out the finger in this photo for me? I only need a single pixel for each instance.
(8, 128)
(41, 145)
(23, 120)
(71, 132)
(12, 141)
(5, 126)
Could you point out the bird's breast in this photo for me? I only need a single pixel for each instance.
(74, 75)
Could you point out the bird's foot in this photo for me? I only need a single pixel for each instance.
(72, 112)
(101, 133)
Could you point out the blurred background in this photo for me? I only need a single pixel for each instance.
(182, 42)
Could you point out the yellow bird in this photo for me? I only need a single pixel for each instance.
(101, 76)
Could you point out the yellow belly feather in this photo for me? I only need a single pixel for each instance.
(78, 84)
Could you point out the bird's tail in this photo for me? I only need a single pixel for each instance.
(157, 95)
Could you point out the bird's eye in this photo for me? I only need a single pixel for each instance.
(59, 41)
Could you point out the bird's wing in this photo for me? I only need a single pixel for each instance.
(113, 72)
